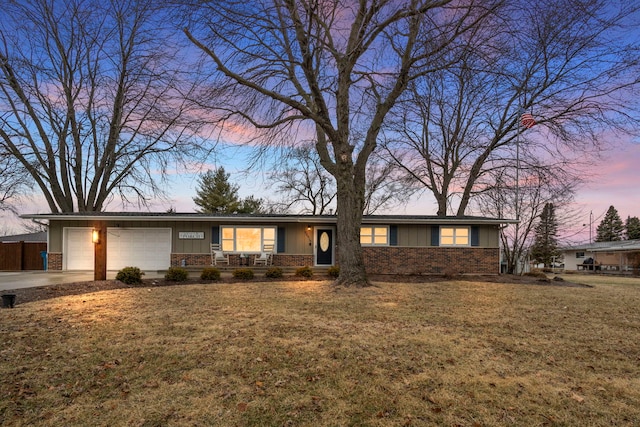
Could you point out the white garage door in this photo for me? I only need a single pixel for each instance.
(145, 248)
(78, 249)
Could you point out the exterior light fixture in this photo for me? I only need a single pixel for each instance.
(307, 233)
(95, 236)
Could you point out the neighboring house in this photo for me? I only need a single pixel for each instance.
(392, 244)
(620, 256)
(40, 237)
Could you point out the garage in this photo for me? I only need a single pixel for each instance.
(146, 248)
(78, 249)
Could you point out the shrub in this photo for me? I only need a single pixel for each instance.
(176, 274)
(334, 271)
(243, 273)
(130, 275)
(210, 273)
(536, 273)
(305, 271)
(274, 273)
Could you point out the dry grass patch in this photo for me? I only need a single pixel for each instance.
(303, 353)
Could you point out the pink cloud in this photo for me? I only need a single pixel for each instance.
(615, 181)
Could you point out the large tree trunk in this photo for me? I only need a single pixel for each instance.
(350, 258)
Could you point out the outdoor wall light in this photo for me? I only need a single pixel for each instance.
(307, 233)
(95, 236)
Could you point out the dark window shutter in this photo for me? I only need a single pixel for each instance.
(393, 235)
(475, 235)
(280, 238)
(215, 234)
(435, 235)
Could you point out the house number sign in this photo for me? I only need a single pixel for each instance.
(191, 235)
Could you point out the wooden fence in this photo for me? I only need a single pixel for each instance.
(16, 256)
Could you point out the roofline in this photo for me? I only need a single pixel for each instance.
(247, 218)
(606, 246)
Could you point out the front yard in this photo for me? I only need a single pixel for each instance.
(303, 353)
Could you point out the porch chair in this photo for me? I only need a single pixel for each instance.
(217, 256)
(266, 256)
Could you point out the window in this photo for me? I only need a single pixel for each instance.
(247, 239)
(374, 236)
(454, 236)
(579, 254)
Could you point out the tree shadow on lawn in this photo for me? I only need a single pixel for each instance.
(40, 293)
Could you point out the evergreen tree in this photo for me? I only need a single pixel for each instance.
(545, 245)
(216, 195)
(632, 226)
(251, 205)
(611, 227)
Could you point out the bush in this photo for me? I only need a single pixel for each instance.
(305, 271)
(176, 274)
(243, 273)
(210, 273)
(334, 271)
(130, 275)
(274, 273)
(536, 273)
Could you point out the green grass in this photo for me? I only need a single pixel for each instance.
(306, 354)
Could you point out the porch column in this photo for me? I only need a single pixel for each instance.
(99, 237)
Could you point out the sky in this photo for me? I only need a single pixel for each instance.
(615, 181)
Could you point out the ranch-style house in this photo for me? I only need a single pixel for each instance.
(392, 244)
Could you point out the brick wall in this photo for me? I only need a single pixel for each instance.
(431, 260)
(387, 260)
(54, 261)
(235, 260)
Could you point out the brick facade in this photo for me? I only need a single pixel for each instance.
(386, 260)
(54, 261)
(203, 260)
(431, 260)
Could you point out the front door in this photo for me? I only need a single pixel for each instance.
(324, 246)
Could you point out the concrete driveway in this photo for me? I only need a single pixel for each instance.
(29, 279)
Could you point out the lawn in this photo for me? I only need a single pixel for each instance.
(456, 353)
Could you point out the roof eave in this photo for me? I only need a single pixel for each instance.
(311, 219)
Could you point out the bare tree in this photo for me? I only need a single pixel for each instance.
(90, 102)
(13, 182)
(566, 62)
(304, 184)
(306, 187)
(329, 69)
(385, 189)
(539, 185)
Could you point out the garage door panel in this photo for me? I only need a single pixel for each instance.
(78, 249)
(148, 248)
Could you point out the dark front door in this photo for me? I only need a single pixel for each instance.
(324, 247)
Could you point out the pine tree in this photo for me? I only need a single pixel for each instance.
(251, 205)
(545, 246)
(611, 227)
(216, 195)
(632, 226)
